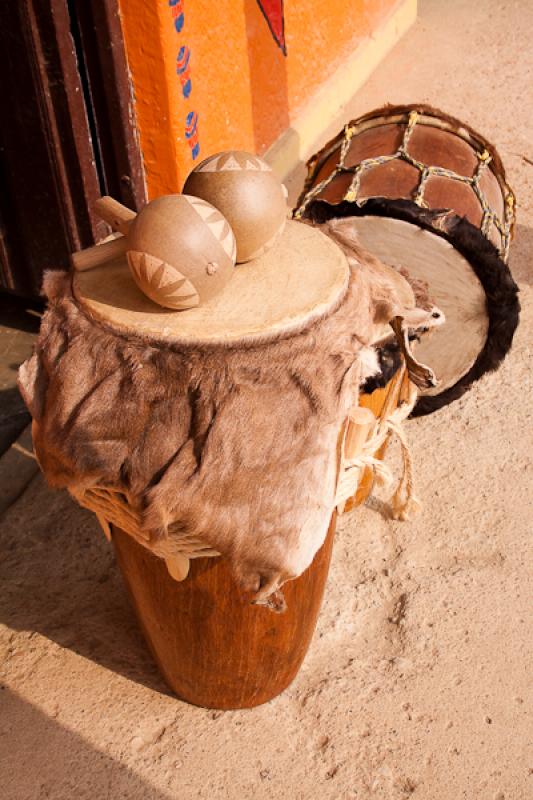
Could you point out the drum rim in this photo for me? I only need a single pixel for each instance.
(501, 291)
(247, 342)
(291, 327)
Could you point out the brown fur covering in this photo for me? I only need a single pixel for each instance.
(236, 445)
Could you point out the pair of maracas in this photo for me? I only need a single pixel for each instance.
(182, 248)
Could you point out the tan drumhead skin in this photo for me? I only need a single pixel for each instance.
(451, 349)
(300, 279)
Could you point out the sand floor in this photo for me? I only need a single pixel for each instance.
(418, 681)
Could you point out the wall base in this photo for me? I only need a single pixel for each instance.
(299, 141)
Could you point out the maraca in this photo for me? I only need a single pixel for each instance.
(180, 249)
(247, 193)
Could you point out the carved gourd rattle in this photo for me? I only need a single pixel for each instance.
(182, 248)
(247, 192)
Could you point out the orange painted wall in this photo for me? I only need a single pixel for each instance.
(243, 90)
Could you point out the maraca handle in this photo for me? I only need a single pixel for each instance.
(120, 219)
(114, 213)
(99, 254)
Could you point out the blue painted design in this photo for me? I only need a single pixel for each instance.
(183, 70)
(191, 124)
(177, 14)
(191, 133)
(182, 61)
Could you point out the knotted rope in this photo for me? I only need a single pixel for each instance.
(403, 502)
(412, 119)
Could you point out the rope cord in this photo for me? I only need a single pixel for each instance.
(489, 216)
(403, 501)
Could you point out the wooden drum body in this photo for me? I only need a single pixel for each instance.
(214, 649)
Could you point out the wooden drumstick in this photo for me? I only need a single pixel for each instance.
(114, 213)
(99, 254)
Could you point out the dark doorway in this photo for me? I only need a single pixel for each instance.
(67, 133)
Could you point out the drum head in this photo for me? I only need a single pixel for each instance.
(416, 153)
(302, 278)
(452, 349)
(466, 279)
(446, 214)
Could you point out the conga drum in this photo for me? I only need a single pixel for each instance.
(214, 648)
(427, 193)
(206, 442)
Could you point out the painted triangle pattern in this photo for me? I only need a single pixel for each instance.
(209, 165)
(203, 208)
(217, 224)
(220, 228)
(274, 15)
(161, 282)
(230, 163)
(229, 244)
(233, 162)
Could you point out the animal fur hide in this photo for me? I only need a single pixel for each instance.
(237, 446)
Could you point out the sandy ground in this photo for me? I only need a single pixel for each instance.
(418, 681)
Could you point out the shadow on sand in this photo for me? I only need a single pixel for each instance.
(41, 758)
(60, 579)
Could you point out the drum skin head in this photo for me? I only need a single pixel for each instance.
(419, 165)
(302, 278)
(452, 349)
(478, 259)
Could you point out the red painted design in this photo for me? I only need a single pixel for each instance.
(273, 13)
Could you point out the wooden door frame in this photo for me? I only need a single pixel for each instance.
(104, 69)
(67, 134)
